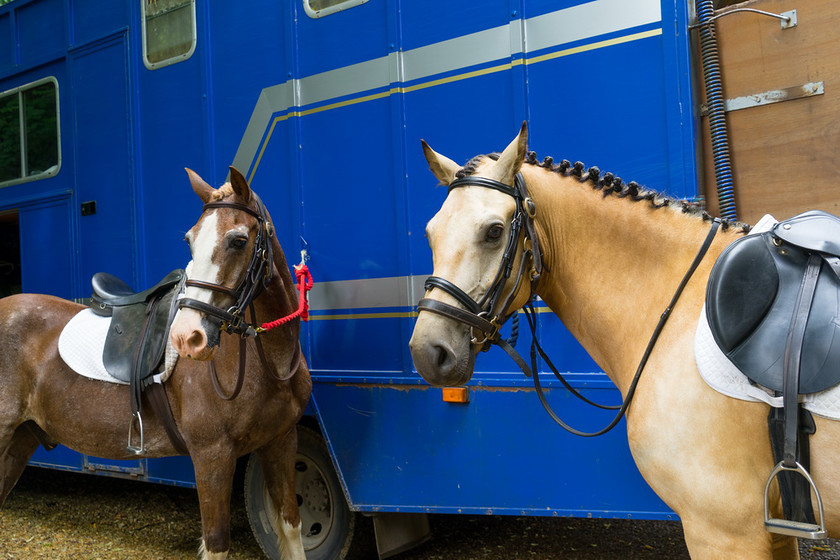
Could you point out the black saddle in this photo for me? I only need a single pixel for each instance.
(139, 322)
(752, 294)
(773, 305)
(135, 345)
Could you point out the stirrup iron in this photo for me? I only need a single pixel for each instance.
(141, 449)
(799, 529)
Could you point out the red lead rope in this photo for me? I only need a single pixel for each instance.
(304, 285)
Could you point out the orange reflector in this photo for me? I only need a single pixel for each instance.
(456, 394)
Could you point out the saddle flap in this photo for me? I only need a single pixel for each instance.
(814, 230)
(137, 334)
(741, 290)
(750, 302)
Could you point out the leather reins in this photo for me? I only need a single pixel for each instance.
(257, 276)
(487, 316)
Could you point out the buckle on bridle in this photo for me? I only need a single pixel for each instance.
(489, 337)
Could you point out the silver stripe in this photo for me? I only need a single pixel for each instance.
(499, 43)
(396, 291)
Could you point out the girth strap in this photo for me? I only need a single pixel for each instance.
(156, 393)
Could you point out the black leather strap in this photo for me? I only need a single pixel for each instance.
(473, 181)
(156, 393)
(456, 313)
(648, 350)
(454, 291)
(793, 357)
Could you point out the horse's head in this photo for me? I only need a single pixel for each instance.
(478, 252)
(231, 263)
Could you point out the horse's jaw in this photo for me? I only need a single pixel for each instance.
(443, 355)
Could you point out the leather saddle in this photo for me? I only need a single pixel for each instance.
(139, 322)
(752, 294)
(135, 345)
(773, 305)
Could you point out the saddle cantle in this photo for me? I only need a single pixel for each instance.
(139, 322)
(752, 294)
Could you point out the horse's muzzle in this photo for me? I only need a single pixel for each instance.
(193, 336)
(439, 363)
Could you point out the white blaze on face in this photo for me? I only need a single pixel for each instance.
(202, 267)
(187, 333)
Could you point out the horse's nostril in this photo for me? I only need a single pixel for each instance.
(197, 340)
(443, 356)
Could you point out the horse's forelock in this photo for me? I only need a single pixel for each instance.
(222, 193)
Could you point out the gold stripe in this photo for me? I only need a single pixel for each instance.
(455, 78)
(389, 315)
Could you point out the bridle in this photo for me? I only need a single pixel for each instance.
(486, 316)
(257, 276)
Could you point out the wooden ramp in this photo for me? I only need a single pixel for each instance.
(786, 153)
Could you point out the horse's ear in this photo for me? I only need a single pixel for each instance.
(240, 185)
(442, 167)
(512, 157)
(200, 186)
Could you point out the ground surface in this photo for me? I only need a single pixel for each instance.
(61, 516)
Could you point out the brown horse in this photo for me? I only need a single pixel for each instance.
(42, 400)
(612, 257)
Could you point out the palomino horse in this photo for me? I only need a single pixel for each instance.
(42, 400)
(612, 256)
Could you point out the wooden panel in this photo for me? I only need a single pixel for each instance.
(785, 155)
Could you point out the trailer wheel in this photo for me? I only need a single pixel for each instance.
(328, 526)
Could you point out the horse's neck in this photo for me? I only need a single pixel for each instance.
(612, 265)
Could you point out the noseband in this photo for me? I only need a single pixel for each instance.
(257, 275)
(486, 316)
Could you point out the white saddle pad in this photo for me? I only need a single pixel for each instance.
(81, 344)
(723, 376)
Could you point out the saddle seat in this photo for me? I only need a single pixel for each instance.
(752, 294)
(109, 291)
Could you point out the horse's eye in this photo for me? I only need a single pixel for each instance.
(495, 232)
(238, 242)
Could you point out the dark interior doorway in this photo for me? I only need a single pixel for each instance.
(10, 279)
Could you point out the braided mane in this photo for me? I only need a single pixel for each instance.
(609, 184)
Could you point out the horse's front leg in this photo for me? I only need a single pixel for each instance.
(214, 481)
(278, 465)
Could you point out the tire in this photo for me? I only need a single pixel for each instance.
(328, 527)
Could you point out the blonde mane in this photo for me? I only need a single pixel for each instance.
(610, 185)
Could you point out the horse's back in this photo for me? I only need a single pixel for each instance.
(32, 319)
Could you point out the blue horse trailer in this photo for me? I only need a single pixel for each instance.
(322, 105)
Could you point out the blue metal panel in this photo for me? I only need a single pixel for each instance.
(47, 258)
(42, 30)
(341, 39)
(497, 454)
(430, 21)
(8, 48)
(93, 19)
(103, 171)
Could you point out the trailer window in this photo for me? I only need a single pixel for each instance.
(320, 8)
(168, 31)
(29, 132)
